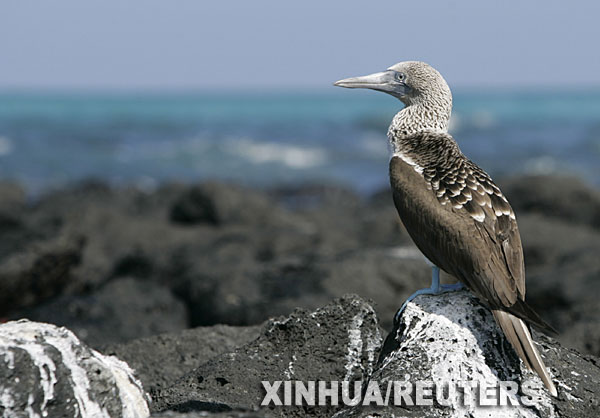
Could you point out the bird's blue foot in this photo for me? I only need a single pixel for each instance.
(451, 287)
(435, 289)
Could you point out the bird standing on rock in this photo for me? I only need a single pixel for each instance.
(451, 208)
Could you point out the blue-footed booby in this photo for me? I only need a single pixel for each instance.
(451, 208)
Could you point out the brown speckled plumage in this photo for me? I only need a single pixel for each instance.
(468, 200)
(462, 222)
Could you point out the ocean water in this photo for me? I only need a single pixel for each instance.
(48, 140)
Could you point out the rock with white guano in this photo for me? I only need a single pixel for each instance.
(450, 339)
(45, 371)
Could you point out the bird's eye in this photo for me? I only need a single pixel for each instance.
(399, 76)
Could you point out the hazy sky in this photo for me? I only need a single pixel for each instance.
(293, 44)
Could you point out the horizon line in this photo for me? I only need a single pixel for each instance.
(305, 90)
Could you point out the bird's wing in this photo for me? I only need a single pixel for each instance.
(467, 191)
(459, 219)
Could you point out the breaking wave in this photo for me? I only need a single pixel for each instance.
(6, 146)
(270, 152)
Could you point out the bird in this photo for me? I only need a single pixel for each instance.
(451, 208)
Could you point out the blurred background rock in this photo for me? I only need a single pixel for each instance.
(116, 263)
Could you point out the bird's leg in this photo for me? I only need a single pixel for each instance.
(435, 280)
(434, 289)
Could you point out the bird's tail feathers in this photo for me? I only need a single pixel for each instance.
(517, 333)
(522, 310)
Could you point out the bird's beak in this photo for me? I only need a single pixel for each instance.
(385, 81)
(371, 81)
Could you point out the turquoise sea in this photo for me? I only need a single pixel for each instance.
(48, 140)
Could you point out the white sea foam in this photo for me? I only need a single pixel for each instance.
(374, 144)
(254, 151)
(483, 119)
(544, 164)
(6, 146)
(455, 122)
(165, 149)
(269, 152)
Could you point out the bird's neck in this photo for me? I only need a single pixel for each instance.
(418, 118)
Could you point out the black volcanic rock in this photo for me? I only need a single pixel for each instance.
(215, 282)
(12, 206)
(217, 204)
(339, 341)
(40, 272)
(566, 198)
(159, 361)
(123, 309)
(444, 338)
(195, 206)
(270, 251)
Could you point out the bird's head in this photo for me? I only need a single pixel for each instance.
(413, 82)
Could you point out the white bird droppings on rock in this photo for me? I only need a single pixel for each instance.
(356, 344)
(51, 373)
(465, 344)
(452, 339)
